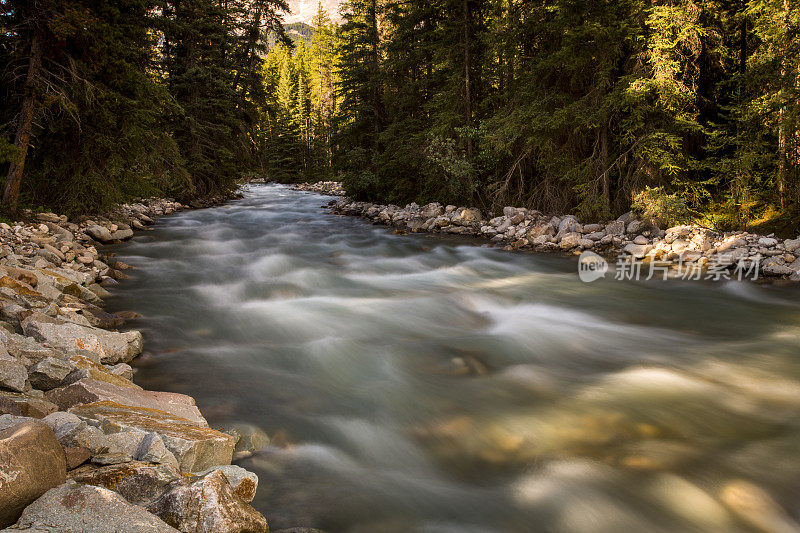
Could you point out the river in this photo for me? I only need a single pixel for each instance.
(424, 383)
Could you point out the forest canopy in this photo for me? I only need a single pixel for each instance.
(686, 109)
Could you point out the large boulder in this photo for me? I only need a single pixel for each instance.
(111, 346)
(208, 504)
(76, 507)
(243, 482)
(467, 217)
(196, 447)
(89, 390)
(99, 233)
(32, 463)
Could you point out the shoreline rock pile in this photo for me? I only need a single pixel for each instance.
(84, 448)
(688, 248)
(330, 188)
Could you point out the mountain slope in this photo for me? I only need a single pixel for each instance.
(304, 10)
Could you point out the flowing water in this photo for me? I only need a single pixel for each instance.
(420, 383)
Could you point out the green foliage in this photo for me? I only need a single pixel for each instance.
(666, 209)
(135, 97)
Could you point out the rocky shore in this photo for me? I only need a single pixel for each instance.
(687, 251)
(82, 447)
(331, 188)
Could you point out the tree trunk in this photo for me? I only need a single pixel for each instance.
(30, 101)
(782, 126)
(467, 72)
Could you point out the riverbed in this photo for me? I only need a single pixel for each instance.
(424, 383)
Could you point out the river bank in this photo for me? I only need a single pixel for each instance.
(639, 247)
(84, 448)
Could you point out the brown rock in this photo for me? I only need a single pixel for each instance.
(196, 447)
(138, 482)
(32, 463)
(76, 457)
(208, 504)
(125, 393)
(13, 403)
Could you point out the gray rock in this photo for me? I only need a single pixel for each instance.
(122, 234)
(121, 392)
(99, 233)
(767, 241)
(49, 373)
(641, 239)
(467, 217)
(32, 463)
(615, 228)
(113, 347)
(99, 290)
(243, 482)
(637, 250)
(12, 374)
(77, 508)
(249, 439)
(195, 447)
(208, 504)
(791, 244)
(570, 241)
(138, 482)
(122, 370)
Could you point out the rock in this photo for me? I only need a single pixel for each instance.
(88, 390)
(615, 228)
(243, 483)
(32, 463)
(595, 236)
(431, 211)
(767, 241)
(86, 368)
(755, 507)
(467, 217)
(138, 482)
(99, 233)
(791, 244)
(776, 269)
(76, 457)
(637, 250)
(25, 405)
(641, 239)
(77, 508)
(122, 234)
(122, 370)
(12, 374)
(570, 241)
(249, 439)
(679, 245)
(49, 373)
(195, 447)
(208, 504)
(635, 226)
(99, 290)
(113, 347)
